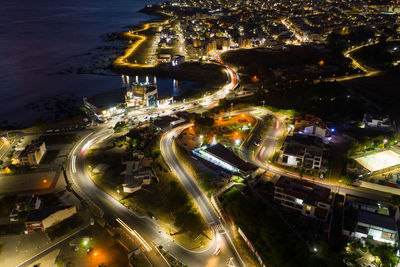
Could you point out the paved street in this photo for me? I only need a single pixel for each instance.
(201, 200)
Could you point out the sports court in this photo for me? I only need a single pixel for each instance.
(380, 160)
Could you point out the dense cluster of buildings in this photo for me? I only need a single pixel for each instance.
(209, 26)
(362, 218)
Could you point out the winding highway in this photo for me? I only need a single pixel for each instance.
(260, 156)
(220, 251)
(148, 229)
(224, 237)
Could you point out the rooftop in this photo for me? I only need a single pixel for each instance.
(310, 193)
(384, 221)
(228, 156)
(308, 120)
(305, 140)
(31, 149)
(43, 213)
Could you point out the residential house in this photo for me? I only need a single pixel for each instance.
(377, 122)
(365, 218)
(32, 154)
(138, 172)
(303, 151)
(41, 219)
(311, 125)
(308, 198)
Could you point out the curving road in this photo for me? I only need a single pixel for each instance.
(259, 156)
(148, 229)
(224, 238)
(142, 227)
(228, 250)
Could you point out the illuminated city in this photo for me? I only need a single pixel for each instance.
(200, 133)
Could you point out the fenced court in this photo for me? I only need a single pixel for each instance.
(380, 160)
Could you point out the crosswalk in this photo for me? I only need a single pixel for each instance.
(217, 227)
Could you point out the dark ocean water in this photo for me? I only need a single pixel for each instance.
(42, 43)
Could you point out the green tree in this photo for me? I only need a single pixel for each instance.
(119, 126)
(348, 179)
(387, 255)
(395, 200)
(203, 123)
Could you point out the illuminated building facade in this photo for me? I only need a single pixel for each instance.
(142, 94)
(308, 198)
(374, 221)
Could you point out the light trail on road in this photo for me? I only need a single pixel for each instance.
(134, 233)
(73, 164)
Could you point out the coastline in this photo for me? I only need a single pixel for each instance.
(54, 109)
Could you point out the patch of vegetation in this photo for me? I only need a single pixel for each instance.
(371, 143)
(381, 55)
(65, 226)
(168, 199)
(111, 177)
(395, 200)
(57, 139)
(237, 179)
(143, 139)
(7, 203)
(203, 124)
(270, 235)
(329, 101)
(348, 179)
(386, 254)
(302, 61)
(339, 40)
(119, 126)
